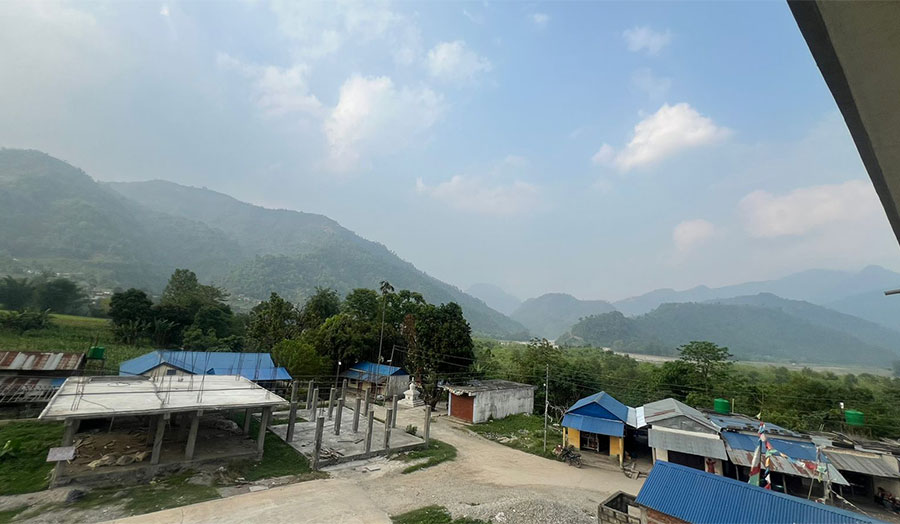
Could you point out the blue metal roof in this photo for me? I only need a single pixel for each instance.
(601, 426)
(791, 448)
(738, 422)
(249, 365)
(372, 368)
(600, 405)
(704, 498)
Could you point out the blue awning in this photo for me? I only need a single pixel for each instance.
(600, 426)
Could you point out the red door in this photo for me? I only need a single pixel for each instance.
(462, 407)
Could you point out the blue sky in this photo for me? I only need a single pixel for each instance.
(601, 149)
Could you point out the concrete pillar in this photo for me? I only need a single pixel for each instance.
(261, 437)
(247, 416)
(158, 438)
(370, 419)
(394, 410)
(315, 404)
(387, 428)
(331, 403)
(317, 444)
(68, 439)
(192, 436)
(292, 417)
(338, 416)
(356, 415)
(293, 391)
(366, 408)
(427, 425)
(309, 392)
(344, 389)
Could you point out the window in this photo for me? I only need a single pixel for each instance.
(170, 372)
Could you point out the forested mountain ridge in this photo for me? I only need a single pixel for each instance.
(54, 216)
(551, 315)
(751, 333)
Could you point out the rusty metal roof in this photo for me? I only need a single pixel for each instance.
(39, 361)
(798, 467)
(478, 386)
(876, 464)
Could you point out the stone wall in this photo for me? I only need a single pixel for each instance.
(619, 509)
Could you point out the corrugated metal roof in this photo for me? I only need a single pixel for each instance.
(600, 426)
(207, 362)
(478, 386)
(600, 405)
(791, 448)
(798, 467)
(696, 496)
(688, 442)
(377, 369)
(669, 407)
(16, 389)
(875, 464)
(738, 422)
(39, 361)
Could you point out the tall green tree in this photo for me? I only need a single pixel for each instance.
(324, 303)
(15, 293)
(131, 304)
(273, 321)
(59, 295)
(442, 345)
(185, 290)
(709, 361)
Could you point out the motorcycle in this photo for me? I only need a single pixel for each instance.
(568, 455)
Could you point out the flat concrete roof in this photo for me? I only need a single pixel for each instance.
(479, 386)
(91, 397)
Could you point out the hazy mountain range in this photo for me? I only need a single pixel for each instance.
(54, 216)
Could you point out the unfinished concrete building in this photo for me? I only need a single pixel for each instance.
(481, 400)
(128, 428)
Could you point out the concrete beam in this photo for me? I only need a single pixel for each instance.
(309, 391)
(315, 404)
(356, 415)
(192, 435)
(387, 428)
(338, 416)
(427, 425)
(331, 402)
(292, 420)
(394, 410)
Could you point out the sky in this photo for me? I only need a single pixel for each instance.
(601, 149)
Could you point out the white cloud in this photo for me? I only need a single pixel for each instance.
(453, 62)
(540, 20)
(605, 155)
(646, 39)
(670, 130)
(164, 10)
(373, 116)
(321, 29)
(655, 86)
(478, 195)
(808, 208)
(692, 233)
(277, 91)
(473, 17)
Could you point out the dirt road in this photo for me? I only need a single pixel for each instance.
(487, 481)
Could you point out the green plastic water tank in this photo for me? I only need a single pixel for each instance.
(854, 418)
(97, 352)
(721, 405)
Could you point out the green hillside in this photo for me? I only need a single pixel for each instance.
(53, 216)
(750, 332)
(551, 315)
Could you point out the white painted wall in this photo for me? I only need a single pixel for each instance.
(502, 403)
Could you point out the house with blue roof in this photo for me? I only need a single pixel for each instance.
(257, 367)
(674, 493)
(381, 379)
(598, 423)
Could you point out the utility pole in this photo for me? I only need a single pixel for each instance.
(546, 404)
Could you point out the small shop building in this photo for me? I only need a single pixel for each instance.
(598, 423)
(32, 377)
(482, 400)
(683, 435)
(380, 379)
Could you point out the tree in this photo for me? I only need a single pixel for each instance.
(708, 360)
(16, 294)
(132, 304)
(362, 304)
(300, 358)
(185, 290)
(386, 289)
(59, 295)
(324, 303)
(442, 344)
(273, 321)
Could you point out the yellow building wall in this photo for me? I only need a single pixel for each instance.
(572, 437)
(617, 447)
